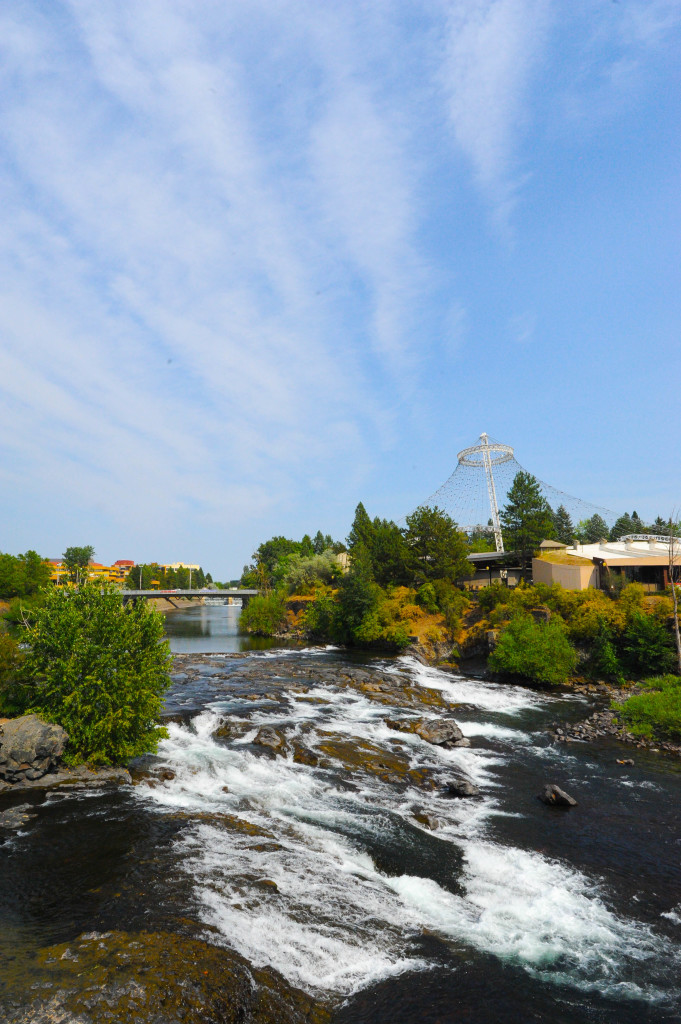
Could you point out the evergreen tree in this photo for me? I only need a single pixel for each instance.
(562, 524)
(622, 526)
(361, 531)
(526, 518)
(437, 549)
(389, 553)
(590, 531)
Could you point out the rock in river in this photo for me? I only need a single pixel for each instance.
(461, 788)
(443, 732)
(554, 796)
(29, 748)
(271, 738)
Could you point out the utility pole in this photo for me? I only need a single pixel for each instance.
(673, 541)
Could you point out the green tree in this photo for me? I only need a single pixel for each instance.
(97, 667)
(23, 575)
(622, 526)
(361, 531)
(526, 517)
(390, 555)
(590, 531)
(647, 645)
(562, 525)
(437, 549)
(539, 651)
(76, 560)
(264, 615)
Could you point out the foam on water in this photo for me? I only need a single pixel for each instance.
(294, 886)
(492, 697)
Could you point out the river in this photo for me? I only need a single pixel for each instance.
(344, 867)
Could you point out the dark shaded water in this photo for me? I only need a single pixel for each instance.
(507, 911)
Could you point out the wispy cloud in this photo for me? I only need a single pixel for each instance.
(492, 48)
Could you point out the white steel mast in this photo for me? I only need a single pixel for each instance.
(498, 538)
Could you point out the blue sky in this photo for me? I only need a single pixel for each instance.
(261, 261)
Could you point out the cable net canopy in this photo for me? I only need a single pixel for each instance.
(465, 496)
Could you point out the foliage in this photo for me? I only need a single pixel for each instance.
(304, 573)
(526, 517)
(319, 619)
(76, 559)
(11, 659)
(564, 531)
(590, 531)
(626, 524)
(23, 575)
(98, 668)
(264, 615)
(647, 645)
(437, 549)
(655, 711)
(273, 558)
(154, 576)
(539, 651)
(604, 662)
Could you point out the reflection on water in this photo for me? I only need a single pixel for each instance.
(211, 629)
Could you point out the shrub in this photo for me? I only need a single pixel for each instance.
(264, 615)
(603, 660)
(534, 650)
(11, 660)
(99, 669)
(319, 618)
(647, 645)
(656, 711)
(427, 598)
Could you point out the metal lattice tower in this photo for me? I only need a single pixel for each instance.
(480, 483)
(487, 455)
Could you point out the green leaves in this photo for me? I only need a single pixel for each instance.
(534, 650)
(99, 669)
(526, 518)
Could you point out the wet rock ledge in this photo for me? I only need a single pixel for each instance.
(149, 978)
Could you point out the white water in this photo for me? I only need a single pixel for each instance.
(303, 893)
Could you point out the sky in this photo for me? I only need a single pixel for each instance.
(260, 261)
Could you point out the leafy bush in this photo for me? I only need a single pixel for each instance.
(11, 660)
(319, 618)
(658, 711)
(264, 615)
(98, 668)
(427, 597)
(302, 573)
(647, 645)
(603, 661)
(534, 650)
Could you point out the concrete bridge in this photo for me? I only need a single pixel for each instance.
(221, 595)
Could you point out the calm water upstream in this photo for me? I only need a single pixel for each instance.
(318, 864)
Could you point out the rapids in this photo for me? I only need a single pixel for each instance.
(316, 862)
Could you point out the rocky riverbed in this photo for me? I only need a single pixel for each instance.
(358, 840)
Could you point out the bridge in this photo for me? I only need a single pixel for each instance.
(222, 595)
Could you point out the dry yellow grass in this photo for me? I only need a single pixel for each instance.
(562, 558)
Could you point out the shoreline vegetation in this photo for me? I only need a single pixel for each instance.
(76, 656)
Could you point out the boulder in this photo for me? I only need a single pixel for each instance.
(461, 788)
(270, 738)
(15, 817)
(554, 796)
(29, 748)
(441, 732)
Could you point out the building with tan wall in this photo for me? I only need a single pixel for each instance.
(634, 559)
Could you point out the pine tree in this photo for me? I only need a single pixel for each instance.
(623, 525)
(562, 524)
(526, 518)
(361, 531)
